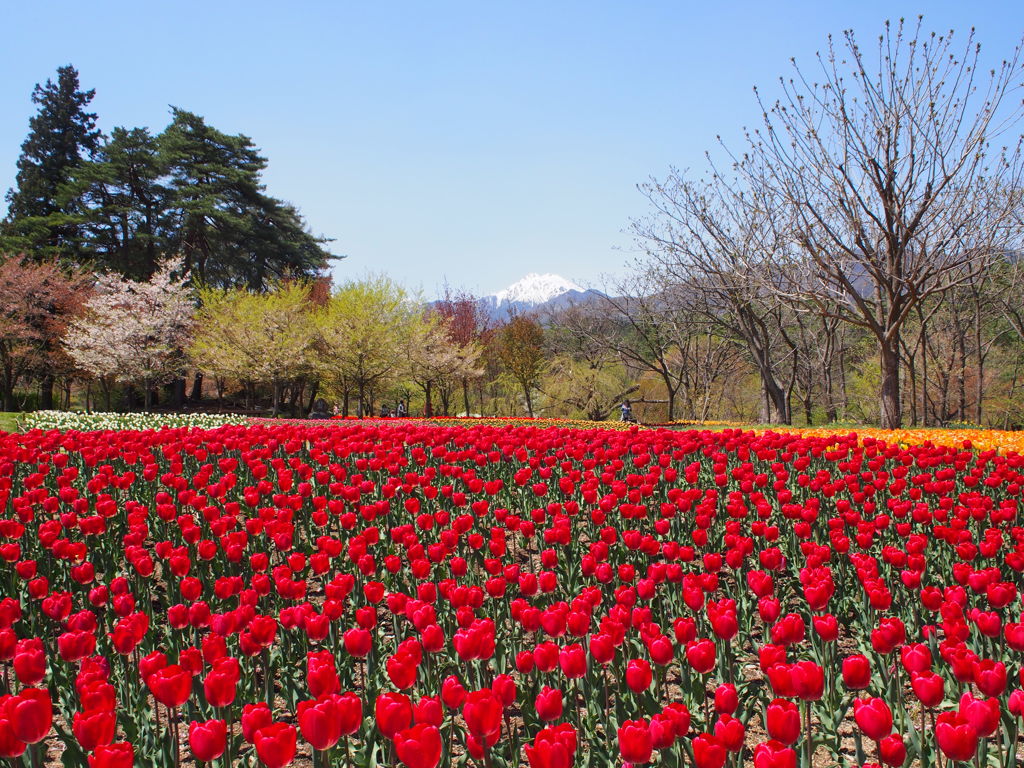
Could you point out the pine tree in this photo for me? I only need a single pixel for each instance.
(61, 135)
(119, 202)
(230, 233)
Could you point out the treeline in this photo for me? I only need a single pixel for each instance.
(866, 238)
(122, 202)
(858, 260)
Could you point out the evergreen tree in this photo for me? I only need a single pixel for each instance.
(60, 137)
(230, 233)
(120, 204)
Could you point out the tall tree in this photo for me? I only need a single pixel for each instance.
(466, 323)
(889, 163)
(521, 350)
(360, 337)
(713, 247)
(228, 230)
(61, 136)
(119, 203)
(37, 300)
(134, 332)
(255, 338)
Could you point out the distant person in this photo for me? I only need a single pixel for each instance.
(385, 412)
(627, 411)
(400, 410)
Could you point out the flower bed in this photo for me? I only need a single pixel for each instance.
(87, 422)
(405, 593)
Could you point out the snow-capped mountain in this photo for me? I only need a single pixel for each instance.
(535, 289)
(534, 293)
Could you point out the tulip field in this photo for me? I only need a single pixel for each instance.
(411, 594)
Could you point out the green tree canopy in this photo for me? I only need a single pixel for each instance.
(228, 230)
(61, 136)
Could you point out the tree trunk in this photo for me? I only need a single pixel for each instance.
(428, 409)
(293, 400)
(46, 392)
(179, 394)
(777, 403)
(979, 384)
(889, 396)
(961, 377)
(197, 387)
(275, 405)
(314, 390)
(529, 401)
(465, 395)
(912, 374)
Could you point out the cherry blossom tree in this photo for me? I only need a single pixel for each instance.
(135, 332)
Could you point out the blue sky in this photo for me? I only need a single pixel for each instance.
(469, 142)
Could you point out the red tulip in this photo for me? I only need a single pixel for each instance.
(482, 713)
(428, 711)
(856, 672)
(393, 712)
(207, 740)
(93, 728)
(957, 738)
(774, 754)
(635, 741)
(275, 744)
(680, 717)
(983, 714)
(549, 704)
(319, 721)
(573, 661)
(708, 752)
(990, 677)
(928, 687)
(254, 717)
(638, 675)
(783, 721)
(452, 692)
(1016, 703)
(31, 714)
(700, 654)
(553, 747)
(171, 686)
(730, 732)
(726, 699)
(30, 661)
(10, 744)
(808, 680)
(349, 711)
(663, 730)
(401, 670)
(118, 755)
(419, 746)
(892, 751)
(873, 717)
(220, 683)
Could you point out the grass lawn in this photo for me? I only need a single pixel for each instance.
(9, 421)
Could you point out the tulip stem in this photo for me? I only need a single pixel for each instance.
(227, 741)
(808, 747)
(177, 745)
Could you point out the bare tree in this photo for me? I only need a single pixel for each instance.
(890, 172)
(712, 247)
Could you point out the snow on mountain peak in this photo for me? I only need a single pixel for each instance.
(536, 289)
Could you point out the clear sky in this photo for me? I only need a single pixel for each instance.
(473, 141)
